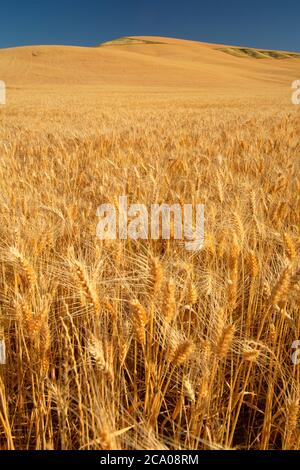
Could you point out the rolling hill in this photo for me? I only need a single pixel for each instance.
(150, 62)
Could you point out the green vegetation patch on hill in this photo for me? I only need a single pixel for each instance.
(127, 41)
(258, 53)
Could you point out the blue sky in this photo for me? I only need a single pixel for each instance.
(259, 23)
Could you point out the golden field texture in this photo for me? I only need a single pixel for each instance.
(143, 344)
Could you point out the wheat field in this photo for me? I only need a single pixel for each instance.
(143, 344)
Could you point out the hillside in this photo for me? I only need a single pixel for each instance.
(148, 61)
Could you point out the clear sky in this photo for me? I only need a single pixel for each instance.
(270, 24)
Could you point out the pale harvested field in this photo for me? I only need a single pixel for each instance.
(142, 344)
